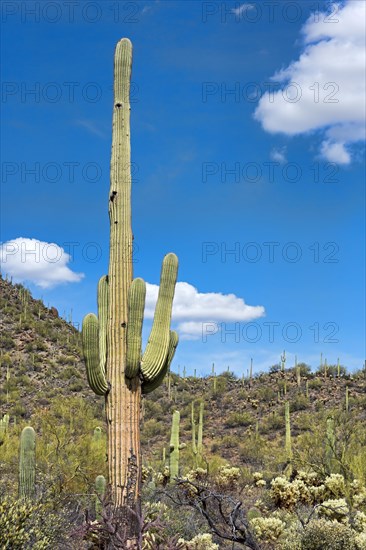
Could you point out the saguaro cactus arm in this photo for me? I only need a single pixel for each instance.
(136, 305)
(148, 387)
(156, 352)
(90, 337)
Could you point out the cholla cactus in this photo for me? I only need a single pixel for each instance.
(199, 542)
(268, 530)
(228, 476)
(335, 485)
(334, 509)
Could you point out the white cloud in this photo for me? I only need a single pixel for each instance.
(279, 155)
(335, 152)
(38, 262)
(242, 9)
(324, 89)
(197, 313)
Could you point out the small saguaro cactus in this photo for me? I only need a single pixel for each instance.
(27, 463)
(197, 445)
(97, 435)
(116, 368)
(298, 373)
(4, 425)
(288, 442)
(174, 447)
(100, 486)
(283, 361)
(330, 445)
(347, 399)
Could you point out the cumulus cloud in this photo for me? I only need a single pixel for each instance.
(198, 313)
(324, 89)
(239, 10)
(38, 262)
(279, 155)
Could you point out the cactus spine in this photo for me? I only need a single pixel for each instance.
(27, 463)
(174, 447)
(112, 341)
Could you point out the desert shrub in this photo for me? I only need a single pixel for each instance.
(273, 422)
(315, 383)
(25, 525)
(321, 534)
(76, 386)
(69, 372)
(265, 394)
(152, 408)
(300, 403)
(152, 428)
(5, 360)
(6, 341)
(229, 442)
(239, 419)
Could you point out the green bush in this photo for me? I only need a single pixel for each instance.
(328, 535)
(25, 526)
(239, 419)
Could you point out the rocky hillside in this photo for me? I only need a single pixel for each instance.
(40, 354)
(41, 359)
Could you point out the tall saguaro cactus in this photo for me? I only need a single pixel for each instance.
(288, 442)
(27, 463)
(112, 341)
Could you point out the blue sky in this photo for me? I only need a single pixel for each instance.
(247, 124)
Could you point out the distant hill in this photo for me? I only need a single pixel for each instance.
(41, 358)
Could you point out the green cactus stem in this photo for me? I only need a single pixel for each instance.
(283, 361)
(174, 447)
(97, 436)
(330, 445)
(4, 425)
(213, 369)
(116, 367)
(347, 399)
(100, 487)
(200, 430)
(288, 442)
(338, 368)
(27, 464)
(197, 444)
(193, 424)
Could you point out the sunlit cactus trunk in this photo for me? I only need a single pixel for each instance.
(116, 367)
(123, 400)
